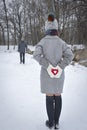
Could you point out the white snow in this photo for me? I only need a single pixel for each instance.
(22, 105)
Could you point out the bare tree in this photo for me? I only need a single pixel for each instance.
(2, 39)
(27, 18)
(6, 18)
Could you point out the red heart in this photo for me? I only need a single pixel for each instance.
(54, 71)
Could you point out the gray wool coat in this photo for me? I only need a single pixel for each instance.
(53, 50)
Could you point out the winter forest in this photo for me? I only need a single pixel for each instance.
(22, 105)
(27, 17)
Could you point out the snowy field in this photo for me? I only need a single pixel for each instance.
(22, 106)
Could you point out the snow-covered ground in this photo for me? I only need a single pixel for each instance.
(22, 106)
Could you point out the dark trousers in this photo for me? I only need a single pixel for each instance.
(22, 57)
(53, 107)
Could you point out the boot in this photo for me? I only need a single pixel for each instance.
(57, 112)
(49, 125)
(50, 111)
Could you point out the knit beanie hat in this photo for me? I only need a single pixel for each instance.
(51, 22)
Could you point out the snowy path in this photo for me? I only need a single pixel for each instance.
(22, 106)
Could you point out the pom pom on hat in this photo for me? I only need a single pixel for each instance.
(51, 22)
(51, 17)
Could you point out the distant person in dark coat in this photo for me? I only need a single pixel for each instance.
(22, 47)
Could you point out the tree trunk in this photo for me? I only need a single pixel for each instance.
(5, 9)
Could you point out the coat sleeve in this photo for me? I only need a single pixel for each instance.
(39, 56)
(66, 57)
